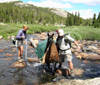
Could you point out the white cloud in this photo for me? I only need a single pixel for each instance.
(51, 4)
(84, 13)
(88, 2)
(2, 1)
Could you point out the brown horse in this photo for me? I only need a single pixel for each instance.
(51, 54)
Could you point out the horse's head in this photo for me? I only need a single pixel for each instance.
(49, 40)
(50, 37)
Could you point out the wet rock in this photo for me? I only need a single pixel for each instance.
(95, 81)
(8, 59)
(93, 57)
(95, 42)
(14, 50)
(89, 50)
(88, 56)
(18, 65)
(86, 61)
(11, 37)
(81, 55)
(92, 47)
(1, 37)
(78, 71)
(43, 36)
(84, 42)
(8, 54)
(89, 42)
(97, 51)
(44, 33)
(1, 50)
(33, 60)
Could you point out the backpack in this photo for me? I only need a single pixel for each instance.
(66, 42)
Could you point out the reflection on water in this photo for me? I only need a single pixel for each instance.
(19, 77)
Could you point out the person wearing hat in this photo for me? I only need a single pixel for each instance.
(21, 36)
(64, 49)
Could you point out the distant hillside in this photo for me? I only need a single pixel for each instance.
(19, 12)
(60, 12)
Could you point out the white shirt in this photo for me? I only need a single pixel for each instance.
(62, 42)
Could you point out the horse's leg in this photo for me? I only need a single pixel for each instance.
(55, 66)
(60, 64)
(48, 66)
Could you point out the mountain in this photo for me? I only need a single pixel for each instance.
(20, 12)
(59, 12)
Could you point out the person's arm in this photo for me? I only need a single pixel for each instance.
(20, 35)
(72, 40)
(76, 43)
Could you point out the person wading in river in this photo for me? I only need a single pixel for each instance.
(64, 49)
(21, 36)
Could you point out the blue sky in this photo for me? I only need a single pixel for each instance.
(86, 7)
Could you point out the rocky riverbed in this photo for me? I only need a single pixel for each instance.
(87, 70)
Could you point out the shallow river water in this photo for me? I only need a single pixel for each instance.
(31, 75)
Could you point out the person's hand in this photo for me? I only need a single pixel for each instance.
(79, 48)
(25, 42)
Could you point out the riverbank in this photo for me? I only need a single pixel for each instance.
(94, 81)
(78, 32)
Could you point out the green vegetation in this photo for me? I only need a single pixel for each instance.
(74, 20)
(78, 32)
(12, 29)
(96, 21)
(83, 32)
(43, 20)
(18, 12)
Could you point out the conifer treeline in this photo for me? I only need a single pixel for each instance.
(11, 13)
(96, 20)
(74, 19)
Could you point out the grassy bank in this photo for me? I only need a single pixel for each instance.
(78, 32)
(83, 32)
(12, 29)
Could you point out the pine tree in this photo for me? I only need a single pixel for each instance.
(98, 19)
(67, 20)
(78, 23)
(94, 20)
